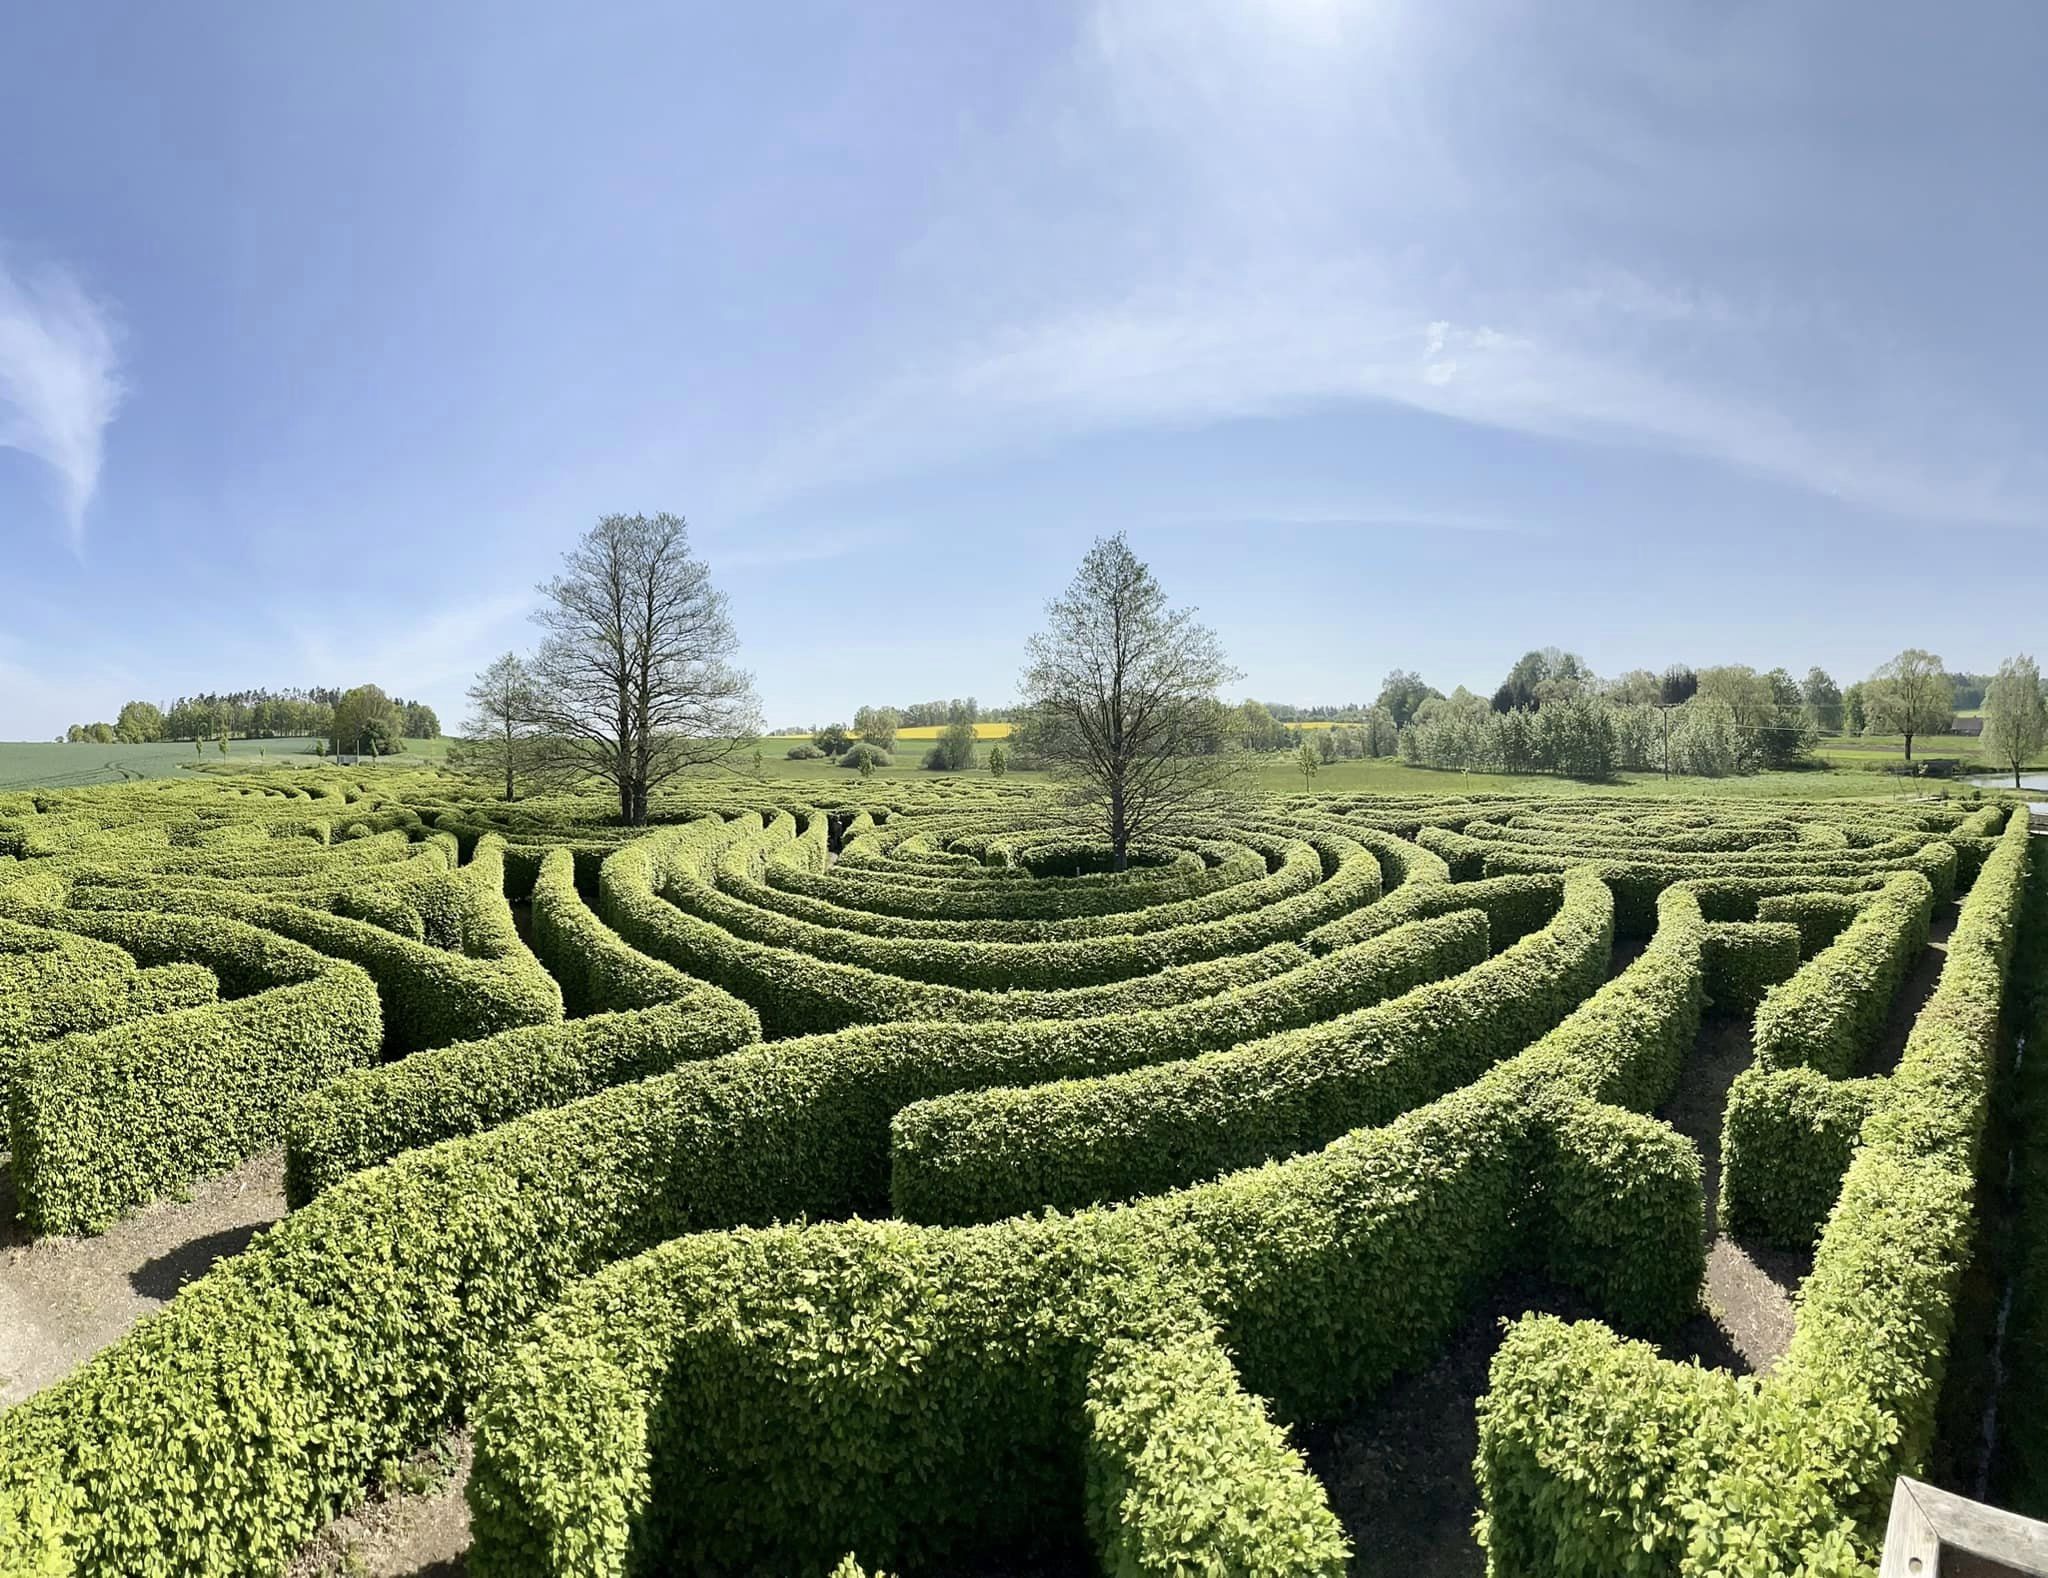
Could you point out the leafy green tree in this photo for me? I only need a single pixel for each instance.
(1910, 696)
(832, 739)
(877, 726)
(998, 760)
(2015, 719)
(140, 723)
(1822, 699)
(102, 734)
(1401, 692)
(1307, 761)
(365, 719)
(1326, 745)
(953, 752)
(1260, 730)
(1856, 709)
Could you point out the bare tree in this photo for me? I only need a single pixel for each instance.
(2015, 721)
(1120, 693)
(498, 735)
(632, 684)
(1910, 695)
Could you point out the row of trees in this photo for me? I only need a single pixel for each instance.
(263, 714)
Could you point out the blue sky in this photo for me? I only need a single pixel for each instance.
(1410, 332)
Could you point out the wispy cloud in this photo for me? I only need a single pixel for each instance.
(60, 380)
(1304, 204)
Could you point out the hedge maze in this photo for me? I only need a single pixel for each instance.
(888, 1177)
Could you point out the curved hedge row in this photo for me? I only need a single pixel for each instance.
(933, 1395)
(102, 1121)
(984, 1154)
(1830, 1015)
(430, 996)
(797, 993)
(1598, 1456)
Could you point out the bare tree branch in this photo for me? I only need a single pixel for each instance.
(631, 683)
(1120, 693)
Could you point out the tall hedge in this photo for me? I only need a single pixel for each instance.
(1596, 1456)
(102, 1121)
(984, 1154)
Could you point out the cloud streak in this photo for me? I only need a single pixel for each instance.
(60, 382)
(1298, 205)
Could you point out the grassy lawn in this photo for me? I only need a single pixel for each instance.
(1853, 767)
(1278, 773)
(40, 765)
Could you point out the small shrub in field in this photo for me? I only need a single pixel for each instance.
(865, 758)
(805, 753)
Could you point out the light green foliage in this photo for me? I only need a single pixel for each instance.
(1349, 1059)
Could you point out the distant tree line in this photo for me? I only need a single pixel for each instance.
(1552, 713)
(344, 718)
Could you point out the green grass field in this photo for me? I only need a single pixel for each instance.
(1278, 772)
(1852, 767)
(40, 765)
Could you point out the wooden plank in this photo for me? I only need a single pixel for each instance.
(1928, 1523)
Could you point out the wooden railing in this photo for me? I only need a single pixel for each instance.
(1936, 1534)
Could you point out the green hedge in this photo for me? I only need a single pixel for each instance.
(598, 971)
(364, 1323)
(696, 868)
(1831, 1014)
(756, 1446)
(374, 1114)
(1514, 907)
(1185, 1473)
(431, 996)
(984, 1154)
(1786, 1141)
(1300, 867)
(2020, 1453)
(53, 983)
(1745, 959)
(1820, 917)
(1596, 1456)
(796, 994)
(102, 1121)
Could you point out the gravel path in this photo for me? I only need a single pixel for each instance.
(64, 1299)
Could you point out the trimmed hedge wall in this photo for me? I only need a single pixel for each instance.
(1596, 1456)
(103, 1121)
(984, 1154)
(796, 993)
(1785, 1143)
(1820, 917)
(412, 1275)
(928, 1405)
(1745, 959)
(1832, 1013)
(598, 971)
(374, 1114)
(1185, 1473)
(431, 997)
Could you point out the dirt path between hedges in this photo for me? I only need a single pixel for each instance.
(1914, 991)
(64, 1299)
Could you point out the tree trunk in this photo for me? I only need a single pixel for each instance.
(1119, 830)
(1909, 747)
(626, 802)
